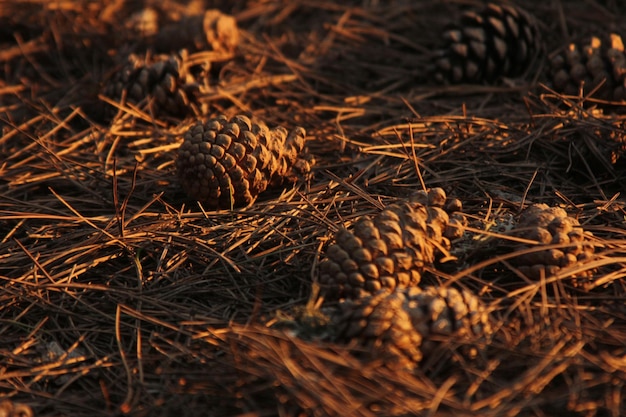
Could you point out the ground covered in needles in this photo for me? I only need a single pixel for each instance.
(121, 295)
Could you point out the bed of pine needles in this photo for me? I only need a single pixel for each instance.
(120, 296)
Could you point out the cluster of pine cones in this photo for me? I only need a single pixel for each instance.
(221, 163)
(371, 274)
(505, 41)
(484, 46)
(167, 78)
(168, 81)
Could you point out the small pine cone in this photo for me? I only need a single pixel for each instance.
(591, 63)
(227, 163)
(212, 31)
(381, 325)
(11, 409)
(161, 80)
(549, 226)
(389, 249)
(499, 41)
(447, 312)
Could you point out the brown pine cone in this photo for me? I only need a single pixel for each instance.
(11, 409)
(589, 64)
(447, 312)
(400, 327)
(211, 31)
(548, 226)
(391, 248)
(227, 163)
(381, 325)
(498, 41)
(162, 81)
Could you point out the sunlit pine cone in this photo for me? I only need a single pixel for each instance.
(498, 41)
(589, 64)
(11, 409)
(403, 326)
(161, 81)
(227, 163)
(443, 311)
(390, 249)
(548, 226)
(381, 326)
(211, 31)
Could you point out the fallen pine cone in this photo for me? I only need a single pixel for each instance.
(549, 226)
(498, 41)
(593, 64)
(401, 327)
(447, 311)
(227, 163)
(390, 249)
(381, 325)
(163, 82)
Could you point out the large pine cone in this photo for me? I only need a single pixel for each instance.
(227, 163)
(391, 248)
(402, 326)
(499, 41)
(549, 226)
(591, 63)
(162, 81)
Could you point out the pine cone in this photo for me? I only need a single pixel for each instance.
(381, 325)
(548, 226)
(12, 409)
(161, 80)
(228, 163)
(499, 41)
(400, 326)
(213, 31)
(590, 64)
(447, 312)
(390, 249)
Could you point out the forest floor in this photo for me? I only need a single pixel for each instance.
(119, 295)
